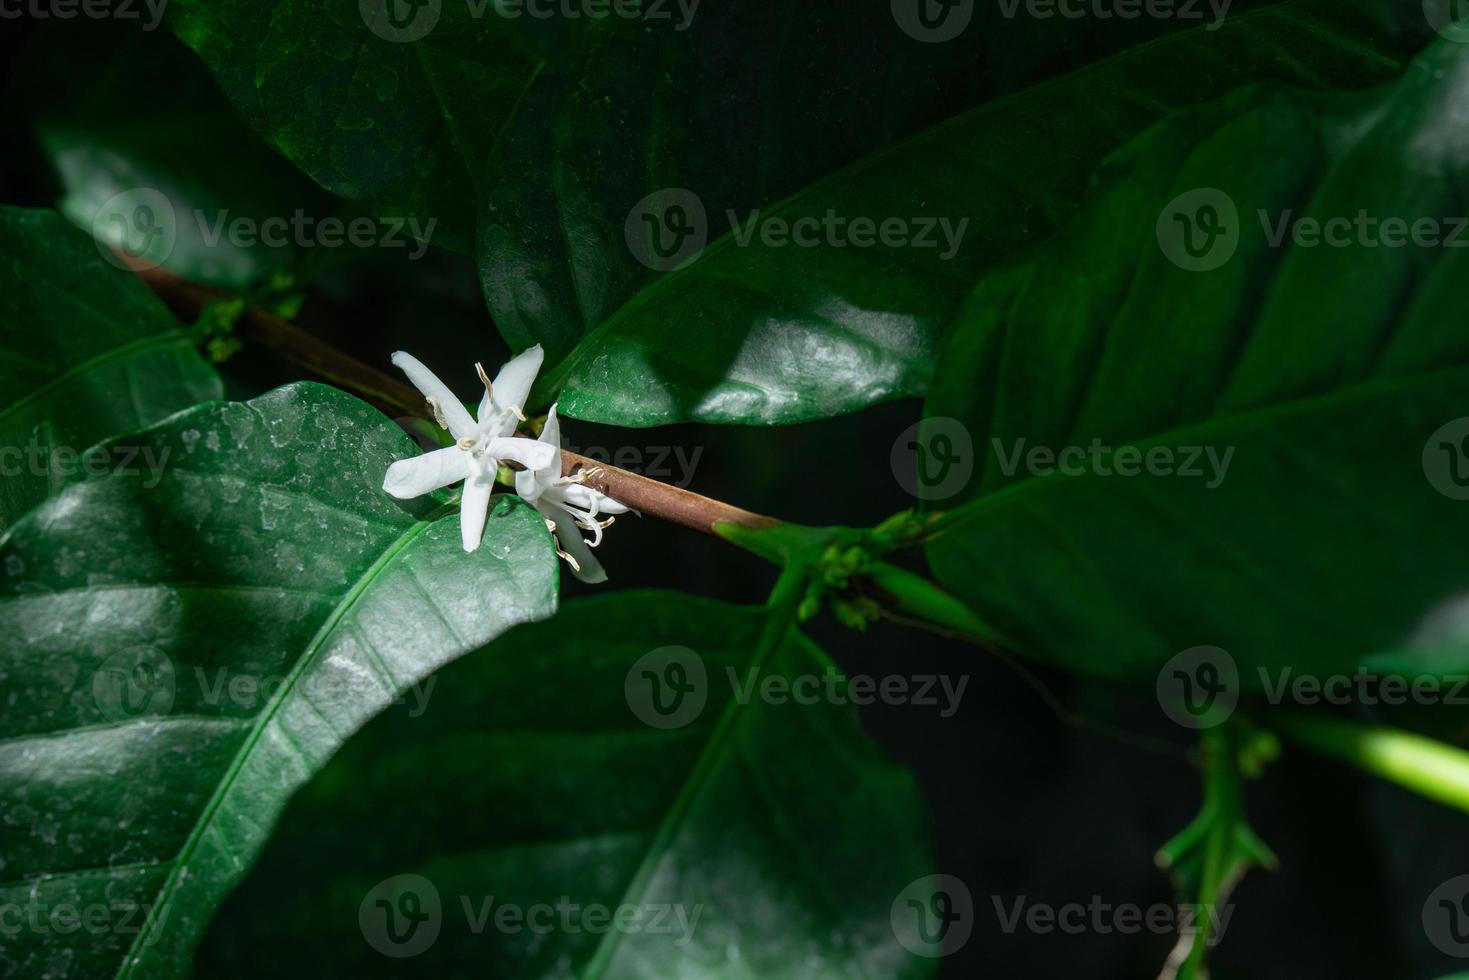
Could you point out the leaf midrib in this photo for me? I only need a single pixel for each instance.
(164, 339)
(711, 758)
(146, 937)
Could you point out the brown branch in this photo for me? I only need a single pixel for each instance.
(647, 496)
(186, 299)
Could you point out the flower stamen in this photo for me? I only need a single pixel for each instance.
(575, 566)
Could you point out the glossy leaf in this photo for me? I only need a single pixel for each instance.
(235, 211)
(179, 658)
(794, 310)
(404, 127)
(1325, 380)
(527, 776)
(86, 352)
(564, 139)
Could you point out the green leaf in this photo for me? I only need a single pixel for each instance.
(214, 183)
(1326, 374)
(554, 136)
(181, 657)
(402, 127)
(781, 832)
(745, 331)
(86, 352)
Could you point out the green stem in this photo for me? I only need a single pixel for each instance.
(786, 592)
(916, 596)
(1210, 855)
(1224, 803)
(1435, 769)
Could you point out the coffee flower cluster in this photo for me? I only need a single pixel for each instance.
(482, 443)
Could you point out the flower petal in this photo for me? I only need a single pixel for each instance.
(408, 478)
(527, 452)
(568, 536)
(474, 509)
(551, 431)
(551, 436)
(607, 505)
(455, 414)
(529, 486)
(595, 501)
(513, 383)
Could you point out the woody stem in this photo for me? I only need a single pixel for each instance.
(646, 496)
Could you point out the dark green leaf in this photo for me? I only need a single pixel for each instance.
(779, 830)
(567, 138)
(179, 658)
(764, 331)
(402, 127)
(1333, 375)
(217, 184)
(86, 352)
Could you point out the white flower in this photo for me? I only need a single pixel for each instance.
(567, 504)
(480, 444)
